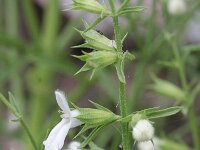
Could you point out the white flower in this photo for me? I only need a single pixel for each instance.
(56, 138)
(143, 131)
(74, 145)
(176, 7)
(148, 145)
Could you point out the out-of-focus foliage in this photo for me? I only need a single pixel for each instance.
(35, 59)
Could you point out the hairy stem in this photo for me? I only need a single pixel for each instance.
(122, 95)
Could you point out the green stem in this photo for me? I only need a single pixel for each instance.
(192, 116)
(19, 117)
(122, 96)
(181, 68)
(28, 133)
(194, 128)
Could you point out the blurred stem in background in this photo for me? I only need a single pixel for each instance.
(41, 75)
(12, 30)
(185, 85)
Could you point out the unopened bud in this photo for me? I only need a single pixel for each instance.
(90, 6)
(97, 59)
(97, 41)
(74, 145)
(143, 131)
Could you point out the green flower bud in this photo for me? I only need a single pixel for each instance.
(97, 59)
(96, 117)
(90, 6)
(97, 41)
(168, 89)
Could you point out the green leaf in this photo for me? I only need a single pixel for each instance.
(120, 69)
(163, 112)
(130, 10)
(152, 113)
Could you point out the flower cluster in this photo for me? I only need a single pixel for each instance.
(104, 53)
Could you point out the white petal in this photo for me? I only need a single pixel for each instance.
(62, 102)
(55, 140)
(75, 122)
(75, 113)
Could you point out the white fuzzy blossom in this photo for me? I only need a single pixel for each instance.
(176, 7)
(143, 131)
(74, 145)
(148, 145)
(56, 138)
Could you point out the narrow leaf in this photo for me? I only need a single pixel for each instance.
(92, 135)
(163, 112)
(13, 102)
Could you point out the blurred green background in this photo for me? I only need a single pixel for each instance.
(35, 60)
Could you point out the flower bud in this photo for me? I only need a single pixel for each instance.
(97, 59)
(176, 7)
(74, 145)
(155, 144)
(143, 131)
(97, 41)
(90, 6)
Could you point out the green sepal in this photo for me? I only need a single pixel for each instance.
(84, 45)
(95, 116)
(85, 67)
(98, 106)
(97, 41)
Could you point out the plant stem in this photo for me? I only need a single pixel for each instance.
(122, 96)
(28, 133)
